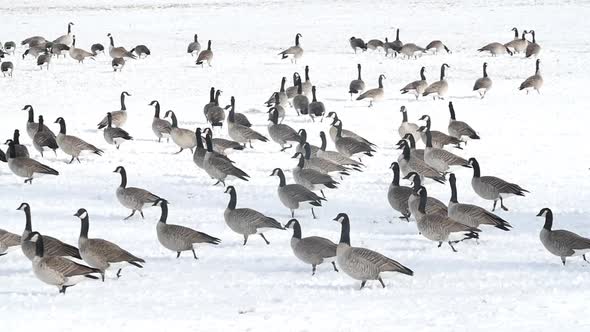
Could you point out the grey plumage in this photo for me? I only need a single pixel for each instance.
(222, 145)
(32, 126)
(78, 53)
(483, 84)
(437, 46)
(324, 165)
(300, 101)
(8, 240)
(518, 45)
(292, 90)
(302, 141)
(440, 87)
(313, 250)
(44, 59)
(67, 38)
(349, 146)
(160, 127)
(73, 145)
(220, 168)
(59, 49)
(115, 136)
(345, 133)
(398, 195)
(35, 40)
(135, 199)
(141, 50)
(20, 150)
(335, 156)
(534, 82)
(460, 129)
(241, 133)
(411, 50)
(44, 140)
(7, 68)
(495, 49)
(560, 242)
(416, 87)
(118, 117)
(118, 64)
(194, 46)
(215, 114)
(433, 206)
(375, 94)
(205, 56)
(279, 98)
(184, 138)
(410, 163)
(281, 133)
(239, 118)
(357, 43)
(407, 127)
(374, 44)
(310, 178)
(118, 52)
(26, 167)
(441, 159)
(315, 108)
(295, 196)
(439, 139)
(96, 48)
(532, 49)
(295, 52)
(357, 85)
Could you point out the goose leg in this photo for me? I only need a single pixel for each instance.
(563, 260)
(78, 159)
(131, 215)
(494, 207)
(292, 214)
(381, 281)
(451, 245)
(30, 181)
(141, 213)
(321, 191)
(335, 268)
(502, 204)
(584, 257)
(313, 269)
(119, 274)
(245, 239)
(192, 151)
(264, 238)
(71, 160)
(439, 244)
(178, 254)
(179, 151)
(313, 214)
(63, 289)
(194, 254)
(363, 284)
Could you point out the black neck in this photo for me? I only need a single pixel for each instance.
(112, 43)
(405, 116)
(475, 166)
(209, 143)
(417, 182)
(406, 152)
(281, 176)
(41, 124)
(548, 220)
(157, 111)
(345, 231)
(453, 183)
(274, 116)
(485, 71)
(442, 72)
(307, 150)
(537, 68)
(69, 29)
(212, 95)
(31, 115)
(123, 178)
(196, 38)
(299, 87)
(381, 82)
(233, 199)
(39, 247)
(15, 138)
(428, 138)
(209, 45)
(533, 33)
(452, 111)
(283, 85)
(217, 97)
(306, 74)
(109, 120)
(422, 76)
(339, 130)
(62, 127)
(84, 228)
(397, 35)
(174, 120)
(28, 223)
(395, 176)
(123, 108)
(412, 141)
(164, 215)
(359, 69)
(301, 162)
(296, 230)
(199, 138)
(422, 205)
(11, 150)
(297, 40)
(232, 115)
(324, 143)
(313, 94)
(515, 33)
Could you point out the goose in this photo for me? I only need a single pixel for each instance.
(281, 133)
(375, 94)
(26, 167)
(398, 195)
(411, 50)
(10, 47)
(345, 133)
(119, 117)
(118, 52)
(295, 52)
(277, 106)
(295, 196)
(179, 238)
(493, 188)
(78, 53)
(44, 140)
(439, 139)
(440, 87)
(483, 84)
(518, 45)
(200, 150)
(459, 129)
(67, 38)
(300, 147)
(115, 136)
(52, 246)
(20, 150)
(246, 221)
(60, 49)
(335, 156)
(135, 199)
(440, 159)
(349, 146)
(410, 163)
(416, 87)
(395, 46)
(222, 145)
(440, 228)
(315, 108)
(416, 153)
(292, 90)
(241, 133)
(205, 56)
(7, 68)
(211, 102)
(194, 47)
(307, 84)
(532, 49)
(35, 51)
(118, 64)
(282, 96)
(361, 263)
(323, 165)
(44, 59)
(560, 242)
(58, 271)
(160, 127)
(32, 41)
(300, 101)
(534, 82)
(141, 50)
(216, 114)
(8, 240)
(96, 48)
(472, 215)
(3, 157)
(102, 254)
(358, 85)
(311, 178)
(220, 168)
(239, 118)
(313, 250)
(496, 49)
(437, 46)
(407, 127)
(434, 206)
(374, 44)
(73, 145)
(357, 43)
(184, 138)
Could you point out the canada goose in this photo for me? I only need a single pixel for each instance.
(315, 108)
(483, 84)
(349, 146)
(141, 50)
(67, 38)
(472, 215)
(300, 101)
(495, 49)
(281, 133)
(8, 240)
(240, 133)
(357, 43)
(78, 53)
(35, 51)
(311, 178)
(409, 163)
(216, 114)
(6, 68)
(135, 199)
(398, 195)
(356, 86)
(205, 55)
(439, 139)
(417, 153)
(533, 49)
(518, 45)
(560, 242)
(160, 127)
(115, 136)
(200, 150)
(440, 159)
(493, 188)
(307, 84)
(323, 165)
(118, 64)
(20, 150)
(179, 238)
(194, 46)
(460, 129)
(184, 138)
(277, 106)
(211, 102)
(295, 52)
(437, 46)
(440, 87)
(26, 167)
(335, 156)
(239, 118)
(102, 254)
(303, 139)
(35, 40)
(60, 49)
(433, 206)
(440, 228)
(312, 250)
(95, 48)
(44, 139)
(374, 44)
(220, 168)
(395, 46)
(282, 96)
(10, 47)
(56, 270)
(292, 90)
(361, 263)
(416, 87)
(246, 221)
(73, 145)
(222, 145)
(118, 52)
(375, 94)
(44, 59)
(533, 82)
(411, 50)
(407, 127)
(295, 196)
(119, 117)
(345, 133)
(52, 246)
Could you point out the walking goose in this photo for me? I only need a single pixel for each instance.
(323, 165)
(51, 245)
(374, 44)
(439, 139)
(533, 82)
(440, 159)
(416, 87)
(239, 118)
(56, 270)
(433, 206)
(73, 145)
(184, 138)
(472, 215)
(211, 102)
(160, 127)
(135, 199)
(560, 242)
(345, 133)
(32, 127)
(26, 167)
(222, 145)
(216, 114)
(398, 195)
(118, 64)
(205, 56)
(437, 46)
(220, 168)
(44, 140)
(313, 250)
(307, 84)
(315, 108)
(95, 48)
(241, 133)
(295, 196)
(440, 228)
(311, 178)
(483, 84)
(357, 43)
(141, 50)
(409, 163)
(277, 106)
(518, 45)
(300, 101)
(246, 221)
(67, 38)
(20, 150)
(292, 90)
(460, 129)
(440, 87)
(118, 117)
(78, 53)
(113, 135)
(493, 188)
(349, 146)
(335, 156)
(358, 85)
(8, 240)
(495, 49)
(533, 49)
(281, 133)
(375, 94)
(102, 254)
(407, 127)
(118, 52)
(411, 50)
(194, 46)
(179, 238)
(6, 68)
(295, 52)
(361, 263)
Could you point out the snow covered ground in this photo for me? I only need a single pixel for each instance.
(507, 282)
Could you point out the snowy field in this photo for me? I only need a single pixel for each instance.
(507, 282)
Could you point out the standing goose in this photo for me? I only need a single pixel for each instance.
(295, 52)
(361, 263)
(534, 82)
(483, 84)
(357, 43)
(6, 68)
(295, 196)
(416, 87)
(246, 221)
(32, 127)
(460, 129)
(411, 50)
(303, 140)
(205, 56)
(433, 206)
(409, 163)
(135, 199)
(160, 127)
(102, 254)
(78, 53)
(281, 133)
(96, 48)
(200, 151)
(220, 168)
(119, 117)
(118, 64)
(277, 106)
(358, 85)
(52, 246)
(439, 139)
(496, 49)
(211, 102)
(472, 215)
(300, 101)
(194, 46)
(313, 250)
(241, 133)
(533, 49)
(222, 145)
(437, 46)
(44, 140)
(493, 188)
(335, 156)
(179, 238)
(345, 133)
(323, 165)
(118, 52)
(141, 50)
(239, 118)
(44, 59)
(292, 90)
(216, 114)
(407, 127)
(398, 195)
(440, 87)
(56, 270)
(349, 146)
(73, 145)
(26, 167)
(374, 44)
(184, 138)
(519, 45)
(8, 240)
(375, 94)
(67, 38)
(307, 84)
(418, 153)
(441, 159)
(311, 178)
(282, 96)
(20, 150)
(395, 45)
(560, 242)
(113, 135)
(316, 108)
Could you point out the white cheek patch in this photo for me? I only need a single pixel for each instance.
(84, 215)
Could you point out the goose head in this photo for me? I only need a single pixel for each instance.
(341, 218)
(545, 212)
(81, 213)
(229, 190)
(24, 207)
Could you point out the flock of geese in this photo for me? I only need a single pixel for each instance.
(316, 169)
